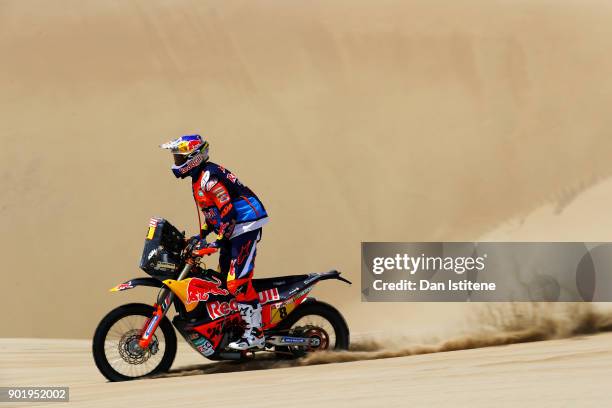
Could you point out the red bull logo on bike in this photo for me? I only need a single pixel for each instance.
(270, 295)
(123, 286)
(199, 290)
(191, 291)
(218, 309)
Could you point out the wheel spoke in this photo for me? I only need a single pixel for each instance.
(124, 355)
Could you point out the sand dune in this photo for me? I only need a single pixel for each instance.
(408, 121)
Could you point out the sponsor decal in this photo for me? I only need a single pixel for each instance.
(244, 252)
(225, 229)
(281, 310)
(211, 216)
(199, 341)
(221, 193)
(206, 349)
(152, 253)
(123, 286)
(294, 340)
(312, 277)
(186, 144)
(195, 162)
(199, 290)
(150, 327)
(152, 225)
(204, 346)
(165, 265)
(209, 185)
(226, 209)
(292, 299)
(303, 293)
(269, 295)
(218, 309)
(231, 177)
(205, 178)
(241, 289)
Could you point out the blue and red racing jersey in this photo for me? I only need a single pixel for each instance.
(226, 202)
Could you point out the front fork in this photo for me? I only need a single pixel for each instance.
(166, 297)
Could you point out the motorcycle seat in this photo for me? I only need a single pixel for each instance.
(279, 282)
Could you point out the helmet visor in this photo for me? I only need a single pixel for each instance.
(179, 159)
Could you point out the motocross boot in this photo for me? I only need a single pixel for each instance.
(253, 336)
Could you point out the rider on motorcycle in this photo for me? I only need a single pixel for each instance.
(233, 212)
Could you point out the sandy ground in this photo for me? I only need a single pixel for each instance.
(571, 372)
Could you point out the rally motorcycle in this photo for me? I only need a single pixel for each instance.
(138, 340)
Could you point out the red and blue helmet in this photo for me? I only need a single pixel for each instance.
(189, 152)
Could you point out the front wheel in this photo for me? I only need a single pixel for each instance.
(115, 344)
(316, 320)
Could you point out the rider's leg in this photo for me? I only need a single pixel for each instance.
(243, 252)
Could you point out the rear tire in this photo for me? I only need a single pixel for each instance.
(321, 309)
(114, 316)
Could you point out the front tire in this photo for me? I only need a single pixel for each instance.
(130, 362)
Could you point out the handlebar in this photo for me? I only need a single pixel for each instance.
(204, 251)
(190, 252)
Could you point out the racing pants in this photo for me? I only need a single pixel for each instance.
(237, 261)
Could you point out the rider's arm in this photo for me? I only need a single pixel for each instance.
(221, 197)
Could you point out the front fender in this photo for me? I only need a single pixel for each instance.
(152, 282)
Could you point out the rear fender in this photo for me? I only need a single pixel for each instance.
(152, 282)
(274, 313)
(314, 278)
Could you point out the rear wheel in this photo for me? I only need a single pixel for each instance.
(115, 345)
(318, 321)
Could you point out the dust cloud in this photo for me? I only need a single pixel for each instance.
(491, 325)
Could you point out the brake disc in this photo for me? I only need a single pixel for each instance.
(131, 352)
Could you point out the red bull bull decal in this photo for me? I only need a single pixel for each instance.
(123, 286)
(199, 290)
